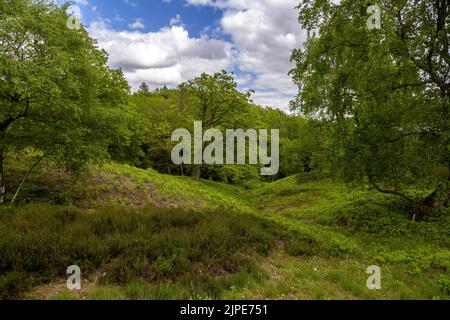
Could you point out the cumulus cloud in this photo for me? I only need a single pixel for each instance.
(137, 24)
(167, 57)
(264, 33)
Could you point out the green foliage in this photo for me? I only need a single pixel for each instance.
(215, 100)
(302, 246)
(348, 230)
(121, 185)
(384, 99)
(13, 284)
(57, 94)
(330, 233)
(444, 284)
(301, 142)
(372, 109)
(234, 174)
(159, 113)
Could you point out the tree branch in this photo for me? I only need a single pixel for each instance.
(396, 193)
(25, 178)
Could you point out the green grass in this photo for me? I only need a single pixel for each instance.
(122, 185)
(341, 231)
(302, 237)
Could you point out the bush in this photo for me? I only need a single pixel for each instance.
(301, 248)
(39, 242)
(444, 284)
(234, 174)
(13, 283)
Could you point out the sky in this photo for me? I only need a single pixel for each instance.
(167, 42)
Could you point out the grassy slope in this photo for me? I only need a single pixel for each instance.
(122, 186)
(336, 233)
(339, 233)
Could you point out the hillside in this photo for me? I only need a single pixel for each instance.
(176, 237)
(123, 185)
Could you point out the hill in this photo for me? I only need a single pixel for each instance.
(143, 235)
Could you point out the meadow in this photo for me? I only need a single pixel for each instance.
(138, 234)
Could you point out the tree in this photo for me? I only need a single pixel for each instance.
(144, 89)
(57, 95)
(160, 113)
(215, 101)
(384, 93)
(301, 141)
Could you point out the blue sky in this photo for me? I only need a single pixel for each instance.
(155, 14)
(166, 42)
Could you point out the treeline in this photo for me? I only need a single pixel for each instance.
(216, 101)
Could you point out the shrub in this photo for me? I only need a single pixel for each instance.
(39, 242)
(302, 246)
(444, 284)
(13, 283)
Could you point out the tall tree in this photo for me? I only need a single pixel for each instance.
(143, 88)
(162, 112)
(215, 101)
(56, 93)
(384, 92)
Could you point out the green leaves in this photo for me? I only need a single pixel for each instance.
(381, 91)
(216, 100)
(56, 93)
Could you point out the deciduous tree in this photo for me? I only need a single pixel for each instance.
(384, 92)
(57, 95)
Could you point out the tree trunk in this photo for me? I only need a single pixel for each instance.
(197, 172)
(169, 171)
(2, 181)
(447, 201)
(25, 178)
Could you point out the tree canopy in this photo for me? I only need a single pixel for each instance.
(57, 94)
(384, 92)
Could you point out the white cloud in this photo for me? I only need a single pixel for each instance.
(200, 2)
(264, 33)
(176, 21)
(272, 99)
(167, 57)
(81, 2)
(130, 3)
(137, 24)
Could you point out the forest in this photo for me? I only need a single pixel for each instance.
(87, 177)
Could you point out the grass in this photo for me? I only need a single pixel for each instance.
(142, 235)
(342, 231)
(122, 186)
